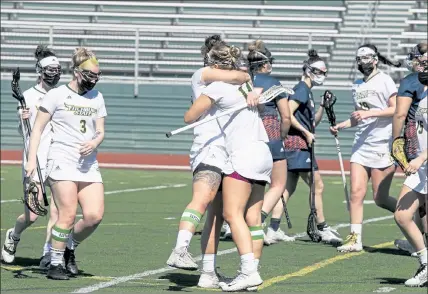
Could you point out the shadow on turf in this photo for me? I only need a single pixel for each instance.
(391, 281)
(391, 251)
(181, 280)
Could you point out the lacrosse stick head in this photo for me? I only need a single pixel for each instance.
(399, 152)
(329, 99)
(312, 229)
(16, 90)
(31, 198)
(273, 92)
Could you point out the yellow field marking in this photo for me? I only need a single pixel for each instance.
(108, 225)
(13, 267)
(311, 268)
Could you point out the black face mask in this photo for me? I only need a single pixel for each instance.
(423, 78)
(52, 80)
(366, 68)
(85, 85)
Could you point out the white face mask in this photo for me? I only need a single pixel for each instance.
(318, 80)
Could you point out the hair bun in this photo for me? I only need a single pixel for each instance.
(43, 51)
(257, 45)
(312, 53)
(235, 52)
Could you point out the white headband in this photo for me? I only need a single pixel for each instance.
(51, 60)
(364, 51)
(319, 65)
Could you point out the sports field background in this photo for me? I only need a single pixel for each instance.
(129, 250)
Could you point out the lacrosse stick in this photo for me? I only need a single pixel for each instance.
(265, 97)
(312, 229)
(287, 216)
(399, 152)
(30, 189)
(329, 101)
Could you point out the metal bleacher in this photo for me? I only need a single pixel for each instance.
(149, 50)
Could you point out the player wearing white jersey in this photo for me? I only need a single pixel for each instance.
(374, 100)
(207, 159)
(247, 171)
(76, 113)
(49, 71)
(414, 191)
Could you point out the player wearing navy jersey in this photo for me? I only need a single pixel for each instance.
(260, 60)
(301, 136)
(411, 91)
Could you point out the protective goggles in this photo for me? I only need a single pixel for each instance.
(316, 71)
(51, 71)
(366, 59)
(89, 75)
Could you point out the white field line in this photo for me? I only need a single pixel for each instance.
(137, 276)
(365, 201)
(384, 290)
(121, 191)
(178, 167)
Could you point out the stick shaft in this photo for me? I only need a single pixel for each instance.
(287, 216)
(342, 171)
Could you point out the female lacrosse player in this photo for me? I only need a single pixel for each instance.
(374, 101)
(76, 113)
(412, 90)
(414, 192)
(301, 137)
(248, 169)
(207, 159)
(49, 71)
(260, 60)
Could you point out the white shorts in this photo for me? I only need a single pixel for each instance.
(253, 162)
(372, 159)
(418, 181)
(61, 171)
(211, 155)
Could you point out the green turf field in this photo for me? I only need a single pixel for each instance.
(129, 250)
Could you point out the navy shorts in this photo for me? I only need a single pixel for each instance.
(299, 161)
(277, 150)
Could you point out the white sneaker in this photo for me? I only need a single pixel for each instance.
(404, 245)
(228, 233)
(330, 235)
(9, 248)
(278, 236)
(211, 280)
(420, 278)
(242, 281)
(351, 244)
(182, 259)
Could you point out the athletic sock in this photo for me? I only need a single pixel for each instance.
(183, 239)
(264, 216)
(274, 223)
(248, 265)
(15, 236)
(422, 256)
(46, 248)
(322, 226)
(357, 229)
(257, 262)
(57, 256)
(72, 243)
(208, 263)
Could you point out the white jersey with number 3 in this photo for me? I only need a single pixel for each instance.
(374, 133)
(73, 122)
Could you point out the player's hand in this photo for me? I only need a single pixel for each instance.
(359, 115)
(87, 148)
(25, 113)
(30, 169)
(414, 166)
(253, 99)
(310, 138)
(334, 130)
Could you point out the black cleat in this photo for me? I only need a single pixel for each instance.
(70, 262)
(45, 261)
(57, 272)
